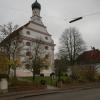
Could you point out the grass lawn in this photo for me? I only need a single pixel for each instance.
(48, 80)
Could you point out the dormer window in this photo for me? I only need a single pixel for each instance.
(28, 32)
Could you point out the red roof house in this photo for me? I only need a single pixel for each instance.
(89, 57)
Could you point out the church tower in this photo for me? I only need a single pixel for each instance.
(36, 8)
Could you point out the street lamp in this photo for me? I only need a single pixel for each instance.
(79, 18)
(76, 19)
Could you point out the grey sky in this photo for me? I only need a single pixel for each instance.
(55, 15)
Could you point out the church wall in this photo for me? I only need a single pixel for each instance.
(37, 27)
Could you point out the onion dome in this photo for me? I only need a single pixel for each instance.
(36, 5)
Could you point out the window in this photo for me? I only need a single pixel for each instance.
(46, 56)
(46, 38)
(28, 53)
(28, 32)
(28, 44)
(46, 47)
(27, 66)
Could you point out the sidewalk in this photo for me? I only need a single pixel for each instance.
(49, 90)
(51, 87)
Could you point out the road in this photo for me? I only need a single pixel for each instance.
(91, 94)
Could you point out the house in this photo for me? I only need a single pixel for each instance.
(90, 57)
(26, 36)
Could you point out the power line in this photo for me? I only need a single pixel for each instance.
(95, 13)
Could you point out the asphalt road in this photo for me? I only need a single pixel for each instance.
(91, 94)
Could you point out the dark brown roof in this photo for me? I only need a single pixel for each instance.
(91, 56)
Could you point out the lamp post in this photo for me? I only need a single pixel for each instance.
(76, 19)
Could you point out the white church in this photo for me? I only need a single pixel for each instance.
(27, 35)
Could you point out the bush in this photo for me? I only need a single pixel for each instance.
(43, 82)
(42, 75)
(65, 80)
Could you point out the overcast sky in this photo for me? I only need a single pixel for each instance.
(56, 14)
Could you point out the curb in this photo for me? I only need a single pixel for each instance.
(57, 91)
(26, 94)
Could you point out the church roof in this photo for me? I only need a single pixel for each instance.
(14, 33)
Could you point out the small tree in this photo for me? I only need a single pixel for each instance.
(7, 29)
(14, 55)
(4, 62)
(10, 44)
(37, 60)
(60, 67)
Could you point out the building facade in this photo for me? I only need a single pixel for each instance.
(27, 36)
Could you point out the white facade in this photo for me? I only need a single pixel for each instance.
(29, 34)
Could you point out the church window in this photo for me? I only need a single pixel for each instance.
(28, 44)
(28, 32)
(46, 56)
(46, 38)
(27, 66)
(46, 47)
(28, 53)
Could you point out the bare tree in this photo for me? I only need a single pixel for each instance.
(14, 58)
(72, 45)
(37, 60)
(7, 29)
(10, 44)
(12, 48)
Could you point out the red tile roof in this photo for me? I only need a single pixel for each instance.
(91, 56)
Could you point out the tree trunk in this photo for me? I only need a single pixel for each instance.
(59, 75)
(9, 70)
(33, 75)
(14, 71)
